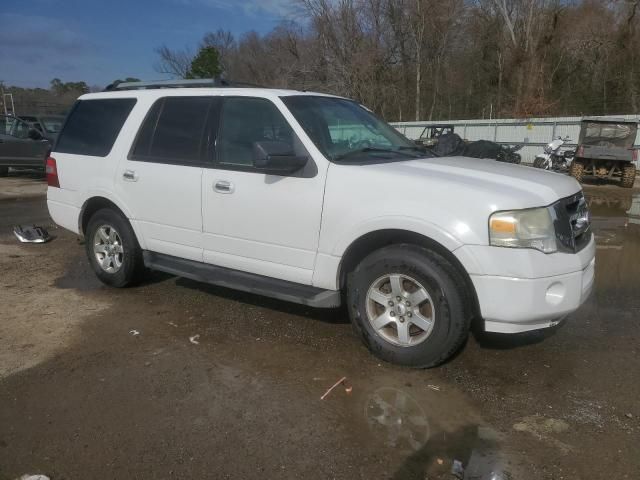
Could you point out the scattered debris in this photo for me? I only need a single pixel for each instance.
(334, 386)
(194, 339)
(134, 332)
(440, 461)
(348, 389)
(434, 387)
(172, 324)
(629, 415)
(33, 477)
(31, 234)
(457, 470)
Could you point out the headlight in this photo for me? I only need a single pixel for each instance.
(531, 228)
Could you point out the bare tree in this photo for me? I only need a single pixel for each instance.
(429, 59)
(173, 62)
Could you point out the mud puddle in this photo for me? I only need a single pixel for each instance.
(615, 218)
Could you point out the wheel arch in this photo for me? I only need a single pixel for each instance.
(95, 203)
(375, 240)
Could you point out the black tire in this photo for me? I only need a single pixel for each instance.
(538, 163)
(444, 285)
(628, 176)
(576, 170)
(132, 265)
(4, 171)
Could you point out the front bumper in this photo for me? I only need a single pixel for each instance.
(544, 289)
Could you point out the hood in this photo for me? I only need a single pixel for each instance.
(517, 186)
(451, 195)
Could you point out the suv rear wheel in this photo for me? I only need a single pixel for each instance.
(628, 175)
(112, 249)
(409, 306)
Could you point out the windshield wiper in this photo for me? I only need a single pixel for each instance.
(373, 150)
(424, 151)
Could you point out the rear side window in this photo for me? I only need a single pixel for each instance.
(174, 131)
(93, 126)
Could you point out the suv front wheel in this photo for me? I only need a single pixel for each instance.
(409, 306)
(112, 249)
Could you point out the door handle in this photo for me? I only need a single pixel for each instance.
(222, 186)
(130, 176)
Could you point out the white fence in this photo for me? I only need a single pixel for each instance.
(533, 133)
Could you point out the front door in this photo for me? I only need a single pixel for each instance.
(162, 178)
(252, 221)
(17, 148)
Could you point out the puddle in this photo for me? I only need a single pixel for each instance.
(429, 442)
(616, 225)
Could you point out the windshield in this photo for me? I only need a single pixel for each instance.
(344, 131)
(52, 124)
(609, 134)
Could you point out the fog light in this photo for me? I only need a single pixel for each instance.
(555, 293)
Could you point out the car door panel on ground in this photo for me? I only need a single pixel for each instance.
(253, 221)
(17, 148)
(161, 180)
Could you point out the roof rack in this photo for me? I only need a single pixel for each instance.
(193, 83)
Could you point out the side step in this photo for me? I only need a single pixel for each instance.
(243, 281)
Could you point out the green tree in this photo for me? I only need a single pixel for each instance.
(57, 86)
(206, 64)
(60, 88)
(128, 79)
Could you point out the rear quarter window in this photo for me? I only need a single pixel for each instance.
(93, 126)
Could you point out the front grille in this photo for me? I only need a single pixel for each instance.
(572, 223)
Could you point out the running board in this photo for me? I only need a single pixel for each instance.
(243, 281)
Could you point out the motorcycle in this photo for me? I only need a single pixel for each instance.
(508, 154)
(554, 158)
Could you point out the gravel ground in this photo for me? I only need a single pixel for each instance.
(175, 379)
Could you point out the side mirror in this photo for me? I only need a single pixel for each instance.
(34, 134)
(276, 158)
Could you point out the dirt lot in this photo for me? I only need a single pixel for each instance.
(102, 383)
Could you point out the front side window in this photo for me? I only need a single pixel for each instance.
(93, 126)
(173, 131)
(344, 130)
(246, 120)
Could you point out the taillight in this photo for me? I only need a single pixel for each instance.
(52, 172)
(634, 154)
(580, 151)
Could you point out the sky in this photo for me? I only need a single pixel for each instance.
(98, 41)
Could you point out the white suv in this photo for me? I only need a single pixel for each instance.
(311, 198)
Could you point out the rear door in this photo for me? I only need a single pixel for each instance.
(16, 148)
(252, 221)
(160, 181)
